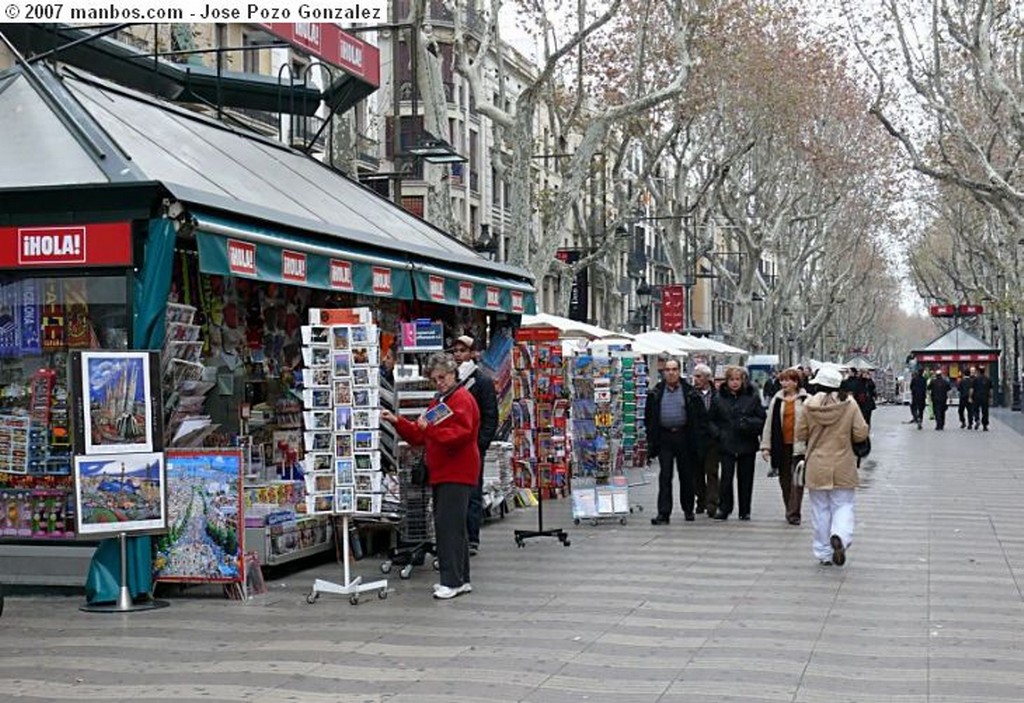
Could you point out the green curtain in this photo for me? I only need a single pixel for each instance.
(151, 287)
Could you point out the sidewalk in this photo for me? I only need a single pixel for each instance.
(928, 609)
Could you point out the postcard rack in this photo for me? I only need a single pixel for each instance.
(539, 420)
(341, 418)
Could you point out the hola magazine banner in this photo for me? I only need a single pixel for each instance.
(204, 538)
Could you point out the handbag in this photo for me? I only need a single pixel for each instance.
(800, 473)
(862, 449)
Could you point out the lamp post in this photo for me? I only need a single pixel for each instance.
(643, 297)
(1015, 398)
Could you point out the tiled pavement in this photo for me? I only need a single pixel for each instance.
(928, 609)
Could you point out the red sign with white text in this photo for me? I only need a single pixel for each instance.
(436, 284)
(332, 44)
(673, 308)
(517, 301)
(341, 274)
(241, 257)
(381, 280)
(537, 334)
(465, 293)
(100, 244)
(293, 266)
(493, 298)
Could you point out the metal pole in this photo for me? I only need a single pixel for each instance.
(1015, 403)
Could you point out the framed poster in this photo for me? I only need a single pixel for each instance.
(116, 396)
(117, 493)
(205, 542)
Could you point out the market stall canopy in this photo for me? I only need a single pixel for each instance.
(859, 363)
(707, 345)
(664, 342)
(566, 327)
(636, 345)
(291, 218)
(955, 346)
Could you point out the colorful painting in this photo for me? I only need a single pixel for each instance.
(120, 493)
(204, 540)
(117, 402)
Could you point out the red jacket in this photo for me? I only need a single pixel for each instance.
(452, 455)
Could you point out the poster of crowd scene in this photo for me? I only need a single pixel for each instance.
(120, 493)
(203, 541)
(116, 390)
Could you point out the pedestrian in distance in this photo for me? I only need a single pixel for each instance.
(779, 445)
(481, 386)
(706, 480)
(964, 387)
(981, 387)
(918, 396)
(453, 465)
(675, 421)
(829, 424)
(736, 421)
(938, 389)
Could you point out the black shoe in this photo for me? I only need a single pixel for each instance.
(793, 520)
(689, 517)
(986, 428)
(744, 517)
(701, 510)
(962, 425)
(838, 550)
(719, 515)
(660, 520)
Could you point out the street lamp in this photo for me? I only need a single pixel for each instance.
(643, 297)
(1015, 398)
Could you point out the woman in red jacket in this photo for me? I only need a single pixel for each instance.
(453, 467)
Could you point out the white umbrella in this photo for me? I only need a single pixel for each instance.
(665, 342)
(567, 327)
(710, 346)
(637, 345)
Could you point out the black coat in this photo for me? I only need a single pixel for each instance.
(918, 388)
(939, 387)
(481, 387)
(982, 386)
(696, 431)
(737, 420)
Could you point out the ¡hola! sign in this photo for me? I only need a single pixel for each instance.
(101, 244)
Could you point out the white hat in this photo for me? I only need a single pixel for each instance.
(828, 377)
(465, 340)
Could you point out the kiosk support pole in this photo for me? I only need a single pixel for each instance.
(124, 603)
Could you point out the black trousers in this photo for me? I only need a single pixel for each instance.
(940, 414)
(475, 516)
(742, 466)
(451, 503)
(917, 410)
(965, 409)
(979, 410)
(674, 450)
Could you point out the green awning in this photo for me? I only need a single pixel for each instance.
(474, 290)
(228, 248)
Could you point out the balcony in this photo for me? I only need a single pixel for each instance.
(367, 150)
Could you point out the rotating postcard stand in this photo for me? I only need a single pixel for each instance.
(522, 535)
(352, 587)
(124, 602)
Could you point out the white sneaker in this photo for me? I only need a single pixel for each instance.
(465, 588)
(446, 592)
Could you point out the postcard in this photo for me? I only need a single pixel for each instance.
(344, 472)
(366, 376)
(343, 393)
(339, 337)
(316, 462)
(344, 499)
(365, 397)
(438, 414)
(342, 418)
(316, 357)
(315, 334)
(364, 419)
(342, 364)
(343, 444)
(366, 355)
(317, 419)
(318, 441)
(364, 461)
(365, 440)
(317, 398)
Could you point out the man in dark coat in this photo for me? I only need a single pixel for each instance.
(981, 386)
(481, 387)
(918, 396)
(675, 420)
(964, 406)
(939, 388)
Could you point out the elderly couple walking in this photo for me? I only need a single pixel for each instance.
(696, 427)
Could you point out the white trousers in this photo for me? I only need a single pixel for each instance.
(832, 513)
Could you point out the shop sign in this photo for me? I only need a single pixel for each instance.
(422, 335)
(329, 42)
(341, 274)
(241, 257)
(436, 286)
(493, 298)
(31, 338)
(293, 266)
(537, 334)
(100, 244)
(673, 308)
(465, 293)
(957, 357)
(517, 302)
(381, 280)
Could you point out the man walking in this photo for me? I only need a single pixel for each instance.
(982, 395)
(918, 393)
(964, 407)
(706, 478)
(673, 417)
(481, 387)
(939, 387)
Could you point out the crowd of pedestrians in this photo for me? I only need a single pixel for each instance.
(930, 392)
(805, 428)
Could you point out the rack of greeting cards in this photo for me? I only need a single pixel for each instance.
(599, 486)
(341, 419)
(540, 415)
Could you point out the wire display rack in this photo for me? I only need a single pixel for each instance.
(415, 521)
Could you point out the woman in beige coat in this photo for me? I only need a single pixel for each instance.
(830, 423)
